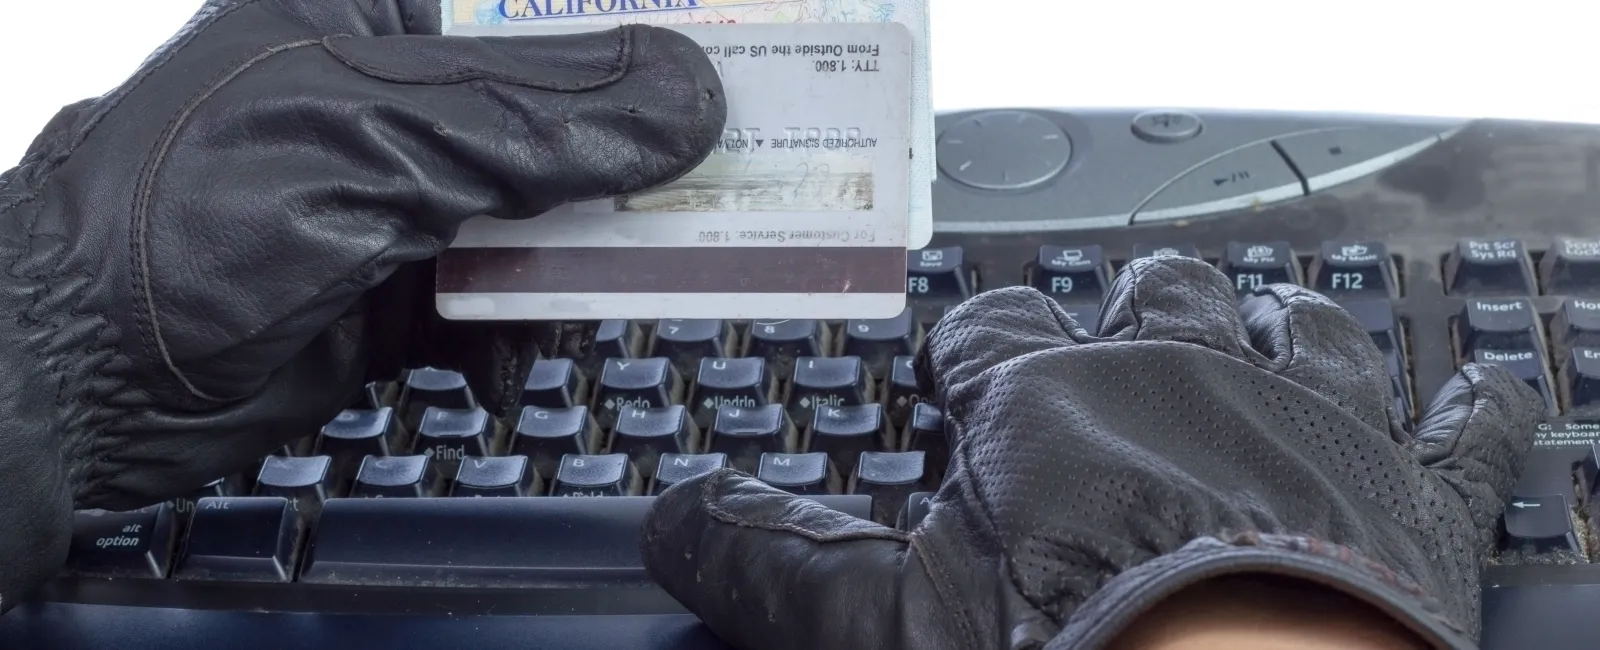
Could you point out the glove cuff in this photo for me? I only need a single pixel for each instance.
(1128, 596)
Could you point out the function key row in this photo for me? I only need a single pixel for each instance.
(1083, 273)
(1493, 267)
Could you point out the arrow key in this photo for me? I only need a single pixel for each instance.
(1537, 525)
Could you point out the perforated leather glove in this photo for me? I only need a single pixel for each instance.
(1095, 475)
(187, 259)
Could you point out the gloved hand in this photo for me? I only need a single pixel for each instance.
(186, 259)
(1092, 476)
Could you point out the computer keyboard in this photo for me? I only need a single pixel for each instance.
(1449, 240)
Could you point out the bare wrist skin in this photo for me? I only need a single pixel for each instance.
(1265, 613)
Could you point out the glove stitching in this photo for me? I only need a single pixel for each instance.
(619, 69)
(145, 316)
(939, 577)
(191, 31)
(712, 494)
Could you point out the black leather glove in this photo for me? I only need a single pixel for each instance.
(187, 258)
(1095, 475)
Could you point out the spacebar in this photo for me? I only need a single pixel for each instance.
(495, 542)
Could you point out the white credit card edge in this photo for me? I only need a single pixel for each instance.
(649, 306)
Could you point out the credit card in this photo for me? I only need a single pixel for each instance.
(798, 213)
(496, 18)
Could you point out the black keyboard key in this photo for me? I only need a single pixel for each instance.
(900, 392)
(555, 384)
(449, 435)
(1251, 266)
(611, 475)
(490, 543)
(545, 435)
(635, 383)
(1539, 524)
(1527, 365)
(1577, 325)
(916, 509)
(1377, 318)
(427, 387)
(780, 342)
(731, 383)
(1489, 267)
(1506, 324)
(1563, 455)
(1354, 268)
(379, 394)
(823, 381)
(222, 487)
(1071, 274)
(686, 342)
(133, 544)
(241, 539)
(1580, 380)
(353, 435)
(1572, 266)
(303, 481)
(806, 474)
(843, 432)
(925, 433)
(1162, 250)
(745, 434)
(1086, 315)
(677, 468)
(606, 339)
(889, 478)
(497, 476)
(393, 477)
(938, 274)
(878, 342)
(645, 434)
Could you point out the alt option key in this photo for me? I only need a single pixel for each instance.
(132, 544)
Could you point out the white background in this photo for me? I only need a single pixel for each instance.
(1470, 58)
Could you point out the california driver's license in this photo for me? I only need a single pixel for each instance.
(492, 17)
(800, 212)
